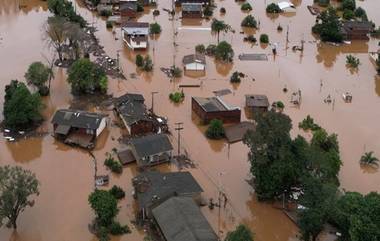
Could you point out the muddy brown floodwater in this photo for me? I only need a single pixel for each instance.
(62, 213)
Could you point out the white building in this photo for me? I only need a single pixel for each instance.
(135, 35)
(194, 62)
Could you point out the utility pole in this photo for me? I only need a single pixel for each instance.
(178, 128)
(118, 60)
(153, 93)
(220, 192)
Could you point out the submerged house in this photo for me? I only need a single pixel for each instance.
(192, 10)
(214, 108)
(134, 115)
(356, 30)
(180, 219)
(135, 35)
(178, 3)
(152, 187)
(194, 62)
(78, 127)
(257, 103)
(151, 150)
(128, 8)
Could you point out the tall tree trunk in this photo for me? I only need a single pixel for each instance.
(14, 223)
(218, 36)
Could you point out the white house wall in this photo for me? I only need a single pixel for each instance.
(102, 125)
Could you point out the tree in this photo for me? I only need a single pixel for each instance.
(361, 13)
(215, 130)
(37, 74)
(104, 205)
(246, 7)
(154, 28)
(56, 34)
(16, 188)
(249, 21)
(328, 26)
(264, 38)
(65, 9)
(21, 108)
(369, 159)
(348, 5)
(117, 192)
(224, 52)
(352, 61)
(241, 233)
(200, 48)
(348, 14)
(86, 77)
(273, 8)
(219, 26)
(148, 64)
(235, 77)
(139, 60)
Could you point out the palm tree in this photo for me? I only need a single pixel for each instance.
(369, 159)
(218, 26)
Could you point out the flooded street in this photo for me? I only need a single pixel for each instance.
(62, 213)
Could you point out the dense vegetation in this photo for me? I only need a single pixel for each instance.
(218, 26)
(273, 8)
(155, 28)
(114, 165)
(65, 9)
(38, 74)
(22, 109)
(16, 188)
(352, 61)
(224, 52)
(86, 77)
(215, 130)
(264, 38)
(328, 26)
(249, 21)
(177, 97)
(241, 233)
(246, 7)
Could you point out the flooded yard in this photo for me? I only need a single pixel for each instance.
(62, 212)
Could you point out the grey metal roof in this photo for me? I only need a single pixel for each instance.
(132, 5)
(150, 145)
(77, 119)
(194, 58)
(357, 25)
(131, 107)
(154, 186)
(192, 7)
(180, 219)
(256, 101)
(136, 28)
(210, 104)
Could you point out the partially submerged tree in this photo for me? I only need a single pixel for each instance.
(38, 74)
(86, 77)
(200, 48)
(56, 33)
(369, 159)
(352, 61)
(65, 9)
(241, 233)
(246, 7)
(22, 109)
(264, 38)
(17, 186)
(218, 26)
(215, 130)
(273, 8)
(224, 52)
(328, 26)
(154, 28)
(249, 21)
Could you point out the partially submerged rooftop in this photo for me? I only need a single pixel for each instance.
(77, 119)
(150, 145)
(256, 101)
(136, 28)
(236, 132)
(194, 58)
(180, 219)
(131, 107)
(192, 7)
(152, 186)
(212, 104)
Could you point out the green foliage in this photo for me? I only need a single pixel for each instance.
(116, 229)
(348, 5)
(215, 130)
(308, 124)
(279, 28)
(273, 8)
(241, 233)
(21, 108)
(177, 97)
(361, 13)
(140, 7)
(224, 52)
(211, 50)
(249, 21)
(176, 71)
(222, 10)
(16, 188)
(148, 64)
(218, 26)
(65, 9)
(114, 165)
(37, 74)
(86, 77)
(264, 38)
(356, 216)
(105, 12)
(109, 24)
(323, 3)
(139, 60)
(154, 28)
(104, 205)
(200, 48)
(348, 14)
(235, 77)
(251, 39)
(352, 61)
(328, 26)
(369, 159)
(117, 192)
(208, 11)
(246, 7)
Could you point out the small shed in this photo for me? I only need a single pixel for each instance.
(192, 10)
(194, 62)
(352, 30)
(214, 108)
(236, 132)
(257, 103)
(151, 149)
(178, 3)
